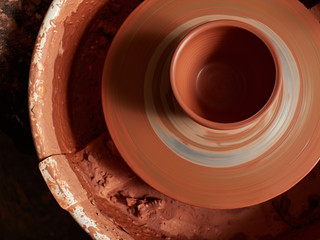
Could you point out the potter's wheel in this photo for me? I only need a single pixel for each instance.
(76, 158)
(196, 164)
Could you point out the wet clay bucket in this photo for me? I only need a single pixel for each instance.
(78, 158)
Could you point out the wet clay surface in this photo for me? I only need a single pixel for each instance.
(78, 114)
(137, 208)
(84, 86)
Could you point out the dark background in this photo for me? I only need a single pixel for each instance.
(27, 208)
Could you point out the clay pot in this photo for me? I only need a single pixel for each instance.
(225, 74)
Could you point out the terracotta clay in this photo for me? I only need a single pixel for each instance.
(223, 72)
(210, 167)
(91, 181)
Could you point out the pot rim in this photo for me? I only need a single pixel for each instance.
(278, 74)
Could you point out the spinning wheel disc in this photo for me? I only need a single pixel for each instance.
(198, 165)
